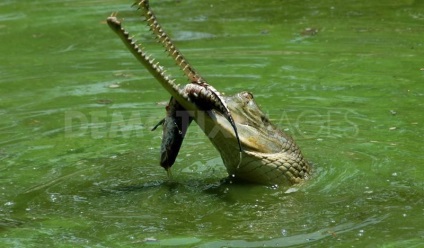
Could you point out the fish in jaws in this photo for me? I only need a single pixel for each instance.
(251, 147)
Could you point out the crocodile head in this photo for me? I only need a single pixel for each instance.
(251, 148)
(269, 155)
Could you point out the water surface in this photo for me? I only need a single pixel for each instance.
(79, 164)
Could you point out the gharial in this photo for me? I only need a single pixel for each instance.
(251, 148)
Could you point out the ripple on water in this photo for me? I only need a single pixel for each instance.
(307, 238)
(12, 16)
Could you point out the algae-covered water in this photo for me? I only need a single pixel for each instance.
(79, 166)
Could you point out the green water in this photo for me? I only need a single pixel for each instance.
(79, 164)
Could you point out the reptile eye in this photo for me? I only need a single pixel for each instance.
(250, 95)
(247, 95)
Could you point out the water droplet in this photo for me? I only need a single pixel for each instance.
(169, 173)
(284, 232)
(53, 197)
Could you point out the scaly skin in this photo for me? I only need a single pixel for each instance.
(269, 155)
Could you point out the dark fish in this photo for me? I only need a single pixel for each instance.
(175, 126)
